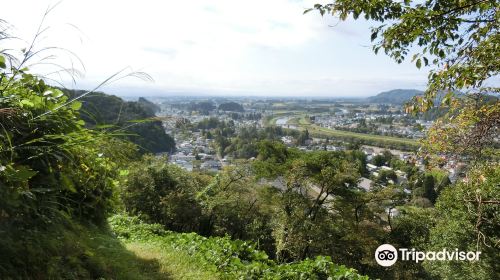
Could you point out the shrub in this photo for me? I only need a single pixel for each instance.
(163, 193)
(232, 259)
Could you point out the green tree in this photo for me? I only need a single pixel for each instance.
(428, 186)
(386, 175)
(467, 218)
(234, 204)
(311, 183)
(471, 128)
(133, 121)
(164, 193)
(51, 164)
(384, 158)
(443, 183)
(360, 158)
(411, 229)
(303, 137)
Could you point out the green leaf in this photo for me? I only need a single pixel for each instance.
(441, 54)
(19, 174)
(27, 103)
(307, 11)
(419, 63)
(76, 105)
(141, 120)
(68, 183)
(447, 98)
(103, 126)
(2, 62)
(57, 93)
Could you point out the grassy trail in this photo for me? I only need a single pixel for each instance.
(192, 256)
(170, 264)
(88, 252)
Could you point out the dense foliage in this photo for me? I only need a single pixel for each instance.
(467, 217)
(50, 163)
(203, 107)
(459, 41)
(231, 259)
(229, 204)
(134, 121)
(163, 193)
(244, 144)
(53, 171)
(231, 106)
(148, 105)
(294, 205)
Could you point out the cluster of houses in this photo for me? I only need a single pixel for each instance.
(196, 153)
(370, 152)
(341, 120)
(375, 170)
(175, 113)
(312, 144)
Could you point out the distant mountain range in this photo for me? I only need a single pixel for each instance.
(395, 96)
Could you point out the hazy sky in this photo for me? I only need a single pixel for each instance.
(258, 47)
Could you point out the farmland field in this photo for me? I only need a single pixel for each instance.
(300, 120)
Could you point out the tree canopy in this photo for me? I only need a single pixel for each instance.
(135, 121)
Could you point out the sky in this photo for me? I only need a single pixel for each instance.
(216, 47)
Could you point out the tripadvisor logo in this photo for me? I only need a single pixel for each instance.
(387, 255)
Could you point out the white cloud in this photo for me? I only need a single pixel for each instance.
(256, 46)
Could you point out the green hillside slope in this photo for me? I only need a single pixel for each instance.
(395, 96)
(188, 254)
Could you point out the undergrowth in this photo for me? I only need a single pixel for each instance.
(71, 251)
(230, 259)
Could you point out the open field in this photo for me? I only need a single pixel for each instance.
(340, 133)
(300, 120)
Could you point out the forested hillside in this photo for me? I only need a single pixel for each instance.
(231, 107)
(150, 106)
(134, 120)
(395, 96)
